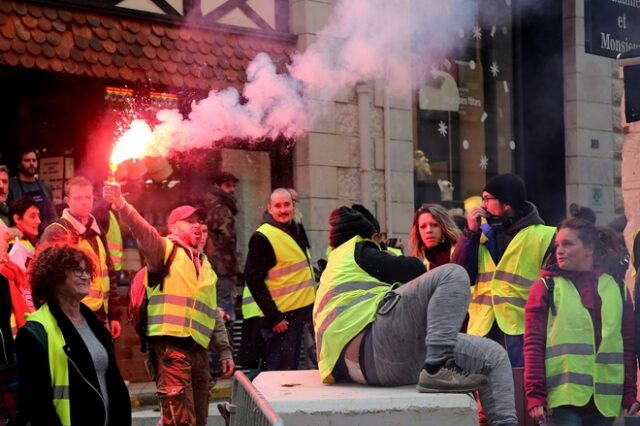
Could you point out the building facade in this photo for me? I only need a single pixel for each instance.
(517, 92)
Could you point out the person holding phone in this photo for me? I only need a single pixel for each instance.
(503, 258)
(433, 235)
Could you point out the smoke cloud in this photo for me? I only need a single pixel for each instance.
(396, 42)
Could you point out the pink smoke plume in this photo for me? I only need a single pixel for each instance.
(393, 41)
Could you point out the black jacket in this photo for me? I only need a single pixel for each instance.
(87, 408)
(260, 259)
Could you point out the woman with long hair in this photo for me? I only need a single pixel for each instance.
(433, 235)
(580, 366)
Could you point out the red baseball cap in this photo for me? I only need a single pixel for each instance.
(182, 213)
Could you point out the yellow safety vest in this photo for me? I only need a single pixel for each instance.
(250, 308)
(58, 363)
(574, 370)
(347, 301)
(290, 281)
(501, 291)
(186, 305)
(114, 241)
(98, 297)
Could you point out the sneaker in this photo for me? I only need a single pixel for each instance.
(450, 378)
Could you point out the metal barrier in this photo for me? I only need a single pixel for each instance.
(248, 407)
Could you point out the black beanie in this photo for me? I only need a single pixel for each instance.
(508, 188)
(367, 215)
(346, 223)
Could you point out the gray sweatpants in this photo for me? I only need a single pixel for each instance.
(419, 323)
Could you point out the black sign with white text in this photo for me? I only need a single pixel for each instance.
(611, 26)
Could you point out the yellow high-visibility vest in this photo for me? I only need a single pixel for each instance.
(347, 301)
(574, 369)
(186, 304)
(290, 281)
(58, 363)
(501, 291)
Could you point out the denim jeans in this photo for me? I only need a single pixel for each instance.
(422, 326)
(567, 417)
(283, 349)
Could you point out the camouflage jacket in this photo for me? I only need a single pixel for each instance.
(220, 209)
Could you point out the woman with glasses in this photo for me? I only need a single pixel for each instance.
(433, 235)
(580, 366)
(66, 364)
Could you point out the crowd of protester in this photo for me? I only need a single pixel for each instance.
(472, 307)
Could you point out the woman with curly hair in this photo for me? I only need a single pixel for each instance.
(66, 364)
(433, 235)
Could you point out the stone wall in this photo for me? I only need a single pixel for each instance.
(327, 162)
(592, 126)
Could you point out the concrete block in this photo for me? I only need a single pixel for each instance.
(402, 186)
(584, 143)
(324, 150)
(402, 216)
(301, 399)
(349, 179)
(321, 181)
(570, 114)
(346, 119)
(570, 140)
(594, 88)
(400, 124)
(402, 155)
(589, 170)
(318, 217)
(322, 116)
(595, 116)
(597, 65)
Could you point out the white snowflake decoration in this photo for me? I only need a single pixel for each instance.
(495, 69)
(477, 32)
(484, 162)
(442, 128)
(512, 145)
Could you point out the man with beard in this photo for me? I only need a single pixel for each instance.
(79, 227)
(26, 184)
(503, 258)
(279, 277)
(183, 318)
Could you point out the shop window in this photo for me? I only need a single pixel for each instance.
(464, 117)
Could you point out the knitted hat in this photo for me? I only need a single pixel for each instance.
(367, 214)
(508, 188)
(346, 223)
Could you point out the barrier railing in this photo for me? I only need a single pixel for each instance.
(248, 406)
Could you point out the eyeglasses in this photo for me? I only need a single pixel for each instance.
(487, 199)
(78, 272)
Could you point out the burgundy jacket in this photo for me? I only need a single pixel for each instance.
(535, 336)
